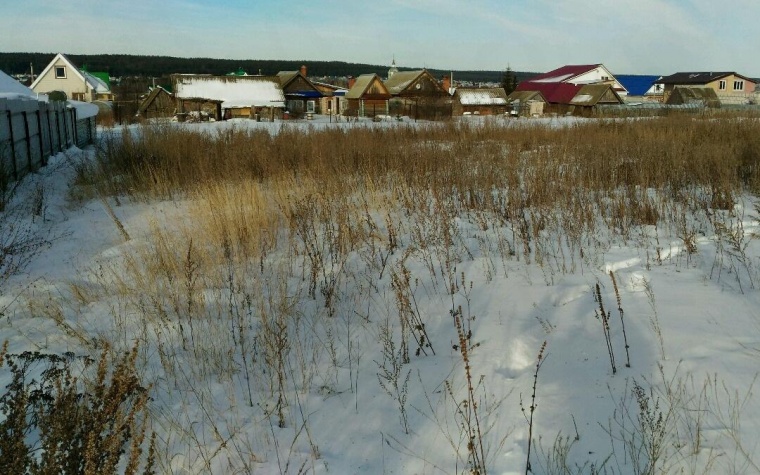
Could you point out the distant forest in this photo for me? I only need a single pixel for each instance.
(124, 65)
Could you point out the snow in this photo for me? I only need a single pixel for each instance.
(583, 98)
(84, 109)
(12, 89)
(475, 97)
(234, 92)
(689, 328)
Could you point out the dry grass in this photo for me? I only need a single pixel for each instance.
(290, 237)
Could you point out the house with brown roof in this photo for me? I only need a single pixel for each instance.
(157, 103)
(367, 96)
(694, 96)
(480, 101)
(730, 87)
(417, 94)
(527, 103)
(563, 88)
(301, 95)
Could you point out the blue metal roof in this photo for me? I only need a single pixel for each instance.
(303, 94)
(636, 84)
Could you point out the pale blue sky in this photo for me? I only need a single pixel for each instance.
(628, 36)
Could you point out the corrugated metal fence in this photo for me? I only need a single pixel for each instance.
(32, 131)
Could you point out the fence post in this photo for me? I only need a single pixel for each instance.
(43, 162)
(58, 129)
(28, 140)
(13, 145)
(50, 131)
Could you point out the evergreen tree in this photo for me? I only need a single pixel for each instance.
(509, 81)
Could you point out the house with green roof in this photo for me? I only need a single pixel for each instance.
(61, 74)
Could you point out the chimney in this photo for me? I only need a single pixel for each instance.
(351, 81)
(447, 83)
(303, 70)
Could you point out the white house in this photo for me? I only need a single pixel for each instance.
(62, 75)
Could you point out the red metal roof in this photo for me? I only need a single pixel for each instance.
(565, 72)
(552, 84)
(554, 92)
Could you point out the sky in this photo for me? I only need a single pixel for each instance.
(631, 37)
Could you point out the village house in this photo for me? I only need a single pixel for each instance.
(567, 89)
(227, 97)
(641, 87)
(367, 96)
(730, 87)
(77, 84)
(301, 96)
(417, 94)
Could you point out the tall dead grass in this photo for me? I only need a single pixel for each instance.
(291, 238)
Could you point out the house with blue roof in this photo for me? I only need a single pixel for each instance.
(301, 95)
(640, 85)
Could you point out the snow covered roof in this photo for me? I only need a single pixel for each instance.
(12, 89)
(231, 91)
(481, 97)
(84, 109)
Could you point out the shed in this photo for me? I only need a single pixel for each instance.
(480, 101)
(705, 96)
(229, 96)
(527, 103)
(158, 103)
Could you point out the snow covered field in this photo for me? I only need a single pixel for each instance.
(318, 357)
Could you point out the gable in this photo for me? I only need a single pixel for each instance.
(368, 85)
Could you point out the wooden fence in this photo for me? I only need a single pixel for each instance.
(32, 131)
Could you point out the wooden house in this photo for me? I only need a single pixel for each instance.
(159, 103)
(301, 95)
(480, 101)
(367, 97)
(77, 84)
(563, 88)
(226, 97)
(730, 87)
(590, 97)
(417, 94)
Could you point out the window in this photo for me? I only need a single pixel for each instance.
(60, 72)
(310, 106)
(722, 85)
(738, 85)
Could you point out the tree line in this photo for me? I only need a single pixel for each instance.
(125, 65)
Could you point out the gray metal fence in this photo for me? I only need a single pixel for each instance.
(33, 131)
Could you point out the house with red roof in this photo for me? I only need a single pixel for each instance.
(576, 88)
